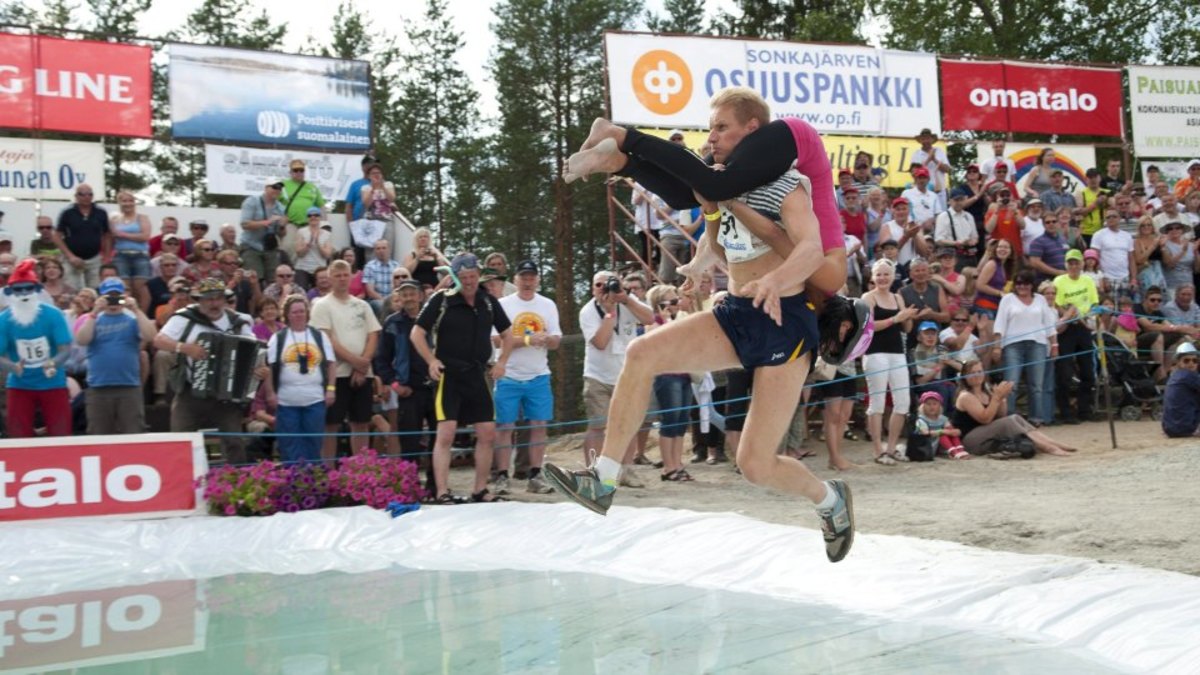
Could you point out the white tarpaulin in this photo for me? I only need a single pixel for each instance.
(1124, 617)
(35, 169)
(1164, 104)
(244, 171)
(660, 81)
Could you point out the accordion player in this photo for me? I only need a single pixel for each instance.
(228, 372)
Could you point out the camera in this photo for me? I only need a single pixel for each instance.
(114, 299)
(613, 285)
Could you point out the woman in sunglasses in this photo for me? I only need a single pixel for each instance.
(303, 372)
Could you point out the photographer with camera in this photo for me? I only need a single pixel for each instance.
(114, 333)
(609, 322)
(263, 223)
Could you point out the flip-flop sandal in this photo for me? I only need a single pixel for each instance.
(481, 497)
(449, 499)
(668, 476)
(683, 476)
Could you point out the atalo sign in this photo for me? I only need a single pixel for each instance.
(659, 81)
(31, 168)
(1164, 103)
(122, 476)
(1036, 98)
(235, 95)
(77, 86)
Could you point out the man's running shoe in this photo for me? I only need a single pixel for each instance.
(837, 523)
(500, 484)
(537, 486)
(582, 486)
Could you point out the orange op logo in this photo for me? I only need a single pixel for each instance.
(662, 82)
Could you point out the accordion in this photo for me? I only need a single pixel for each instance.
(228, 372)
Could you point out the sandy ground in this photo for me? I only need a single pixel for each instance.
(1135, 504)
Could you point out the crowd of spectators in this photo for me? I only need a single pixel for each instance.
(966, 273)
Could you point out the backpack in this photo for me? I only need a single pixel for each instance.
(281, 339)
(177, 377)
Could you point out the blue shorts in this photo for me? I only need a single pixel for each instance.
(530, 400)
(132, 264)
(987, 312)
(756, 338)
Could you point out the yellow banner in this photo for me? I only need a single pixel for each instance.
(892, 155)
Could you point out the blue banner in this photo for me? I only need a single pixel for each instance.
(236, 95)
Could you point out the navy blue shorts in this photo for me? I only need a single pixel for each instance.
(756, 338)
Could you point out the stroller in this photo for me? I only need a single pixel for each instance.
(1134, 377)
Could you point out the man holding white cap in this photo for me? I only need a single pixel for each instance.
(114, 334)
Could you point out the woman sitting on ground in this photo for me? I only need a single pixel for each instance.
(981, 415)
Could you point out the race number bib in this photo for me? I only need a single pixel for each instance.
(34, 353)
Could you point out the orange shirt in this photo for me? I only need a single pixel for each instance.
(1185, 187)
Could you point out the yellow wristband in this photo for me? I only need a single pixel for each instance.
(330, 387)
(713, 217)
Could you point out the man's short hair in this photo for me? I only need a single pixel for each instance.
(340, 266)
(745, 103)
(229, 255)
(168, 258)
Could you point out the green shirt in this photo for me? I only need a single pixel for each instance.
(298, 198)
(1079, 292)
(1091, 223)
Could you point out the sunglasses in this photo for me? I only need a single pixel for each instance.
(297, 170)
(45, 227)
(83, 194)
(668, 303)
(205, 249)
(958, 320)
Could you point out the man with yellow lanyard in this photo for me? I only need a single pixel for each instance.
(1077, 294)
(1091, 215)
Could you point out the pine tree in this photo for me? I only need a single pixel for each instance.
(797, 20)
(436, 122)
(679, 16)
(127, 161)
(548, 68)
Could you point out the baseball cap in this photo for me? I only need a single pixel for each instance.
(1074, 254)
(4, 236)
(464, 261)
(209, 287)
(112, 285)
(972, 167)
(920, 172)
(1091, 253)
(931, 395)
(1057, 172)
(199, 222)
(491, 274)
(844, 172)
(927, 325)
(1193, 163)
(899, 200)
(946, 252)
(887, 242)
(1093, 172)
(314, 210)
(170, 237)
(960, 192)
(527, 267)
(1033, 202)
(850, 191)
(296, 164)
(409, 283)
(278, 185)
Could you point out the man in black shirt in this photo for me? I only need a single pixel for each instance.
(82, 236)
(459, 325)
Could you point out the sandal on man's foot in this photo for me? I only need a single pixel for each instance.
(683, 476)
(449, 498)
(485, 497)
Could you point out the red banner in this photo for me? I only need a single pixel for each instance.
(79, 86)
(112, 625)
(143, 475)
(1044, 99)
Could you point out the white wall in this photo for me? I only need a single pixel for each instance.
(20, 221)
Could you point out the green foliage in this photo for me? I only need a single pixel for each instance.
(798, 20)
(679, 16)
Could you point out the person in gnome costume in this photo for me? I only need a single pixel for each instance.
(35, 341)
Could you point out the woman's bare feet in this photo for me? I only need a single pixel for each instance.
(1056, 451)
(840, 465)
(605, 157)
(602, 129)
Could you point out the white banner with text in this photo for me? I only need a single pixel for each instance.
(36, 169)
(232, 170)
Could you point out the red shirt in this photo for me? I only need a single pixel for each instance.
(854, 223)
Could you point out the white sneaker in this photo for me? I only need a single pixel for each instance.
(537, 486)
(629, 479)
(500, 485)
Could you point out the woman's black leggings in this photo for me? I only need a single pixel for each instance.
(672, 172)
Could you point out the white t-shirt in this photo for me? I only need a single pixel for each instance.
(893, 231)
(924, 204)
(1033, 229)
(296, 389)
(604, 365)
(1114, 248)
(350, 323)
(311, 260)
(967, 353)
(538, 315)
(1018, 322)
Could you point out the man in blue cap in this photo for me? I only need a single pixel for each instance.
(114, 334)
(458, 324)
